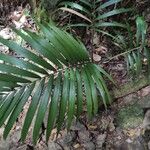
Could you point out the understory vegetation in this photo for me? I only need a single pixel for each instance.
(57, 73)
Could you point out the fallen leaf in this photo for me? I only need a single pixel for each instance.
(101, 49)
(145, 91)
(96, 39)
(96, 57)
(76, 13)
(23, 19)
(111, 127)
(17, 24)
(5, 33)
(77, 146)
(131, 133)
(16, 15)
(92, 127)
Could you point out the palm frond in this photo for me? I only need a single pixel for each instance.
(94, 13)
(140, 42)
(57, 75)
(135, 47)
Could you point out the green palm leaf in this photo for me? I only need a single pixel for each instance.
(113, 12)
(57, 74)
(18, 108)
(63, 101)
(107, 4)
(42, 108)
(93, 12)
(32, 109)
(75, 6)
(135, 47)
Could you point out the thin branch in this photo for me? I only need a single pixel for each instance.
(124, 53)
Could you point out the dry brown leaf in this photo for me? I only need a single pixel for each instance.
(96, 39)
(145, 91)
(76, 13)
(92, 127)
(16, 15)
(101, 49)
(96, 57)
(5, 33)
(76, 146)
(23, 19)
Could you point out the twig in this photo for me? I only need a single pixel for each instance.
(124, 53)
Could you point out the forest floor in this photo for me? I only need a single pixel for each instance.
(118, 127)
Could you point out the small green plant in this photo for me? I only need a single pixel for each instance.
(135, 47)
(95, 15)
(56, 74)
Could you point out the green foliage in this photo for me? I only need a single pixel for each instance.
(135, 46)
(59, 76)
(96, 13)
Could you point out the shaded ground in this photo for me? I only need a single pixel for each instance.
(119, 127)
(108, 130)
